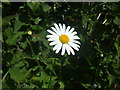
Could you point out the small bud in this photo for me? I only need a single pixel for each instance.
(101, 55)
(30, 32)
(54, 7)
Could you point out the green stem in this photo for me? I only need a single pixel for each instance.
(5, 75)
(30, 46)
(32, 50)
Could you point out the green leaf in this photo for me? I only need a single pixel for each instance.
(19, 73)
(23, 44)
(36, 27)
(18, 24)
(7, 19)
(86, 85)
(117, 20)
(33, 5)
(37, 20)
(44, 77)
(45, 7)
(17, 57)
(61, 84)
(13, 38)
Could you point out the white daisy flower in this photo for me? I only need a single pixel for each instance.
(64, 38)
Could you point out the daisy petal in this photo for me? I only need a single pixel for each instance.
(53, 39)
(74, 37)
(67, 49)
(64, 28)
(58, 49)
(52, 43)
(71, 50)
(74, 41)
(52, 36)
(51, 32)
(75, 46)
(74, 33)
(63, 49)
(57, 27)
(61, 28)
(72, 30)
(67, 30)
(56, 31)
(55, 47)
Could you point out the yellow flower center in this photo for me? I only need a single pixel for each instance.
(64, 39)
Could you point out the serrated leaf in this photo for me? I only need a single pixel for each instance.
(33, 5)
(13, 38)
(16, 74)
(24, 44)
(7, 19)
(37, 20)
(44, 77)
(45, 7)
(36, 27)
(18, 24)
(17, 57)
(61, 84)
(19, 73)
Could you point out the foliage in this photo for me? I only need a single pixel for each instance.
(29, 62)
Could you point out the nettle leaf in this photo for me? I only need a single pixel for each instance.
(37, 20)
(43, 38)
(17, 57)
(8, 32)
(117, 20)
(49, 81)
(23, 44)
(36, 27)
(61, 84)
(45, 7)
(12, 37)
(18, 24)
(19, 73)
(44, 77)
(33, 5)
(6, 20)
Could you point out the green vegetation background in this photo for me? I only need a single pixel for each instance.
(29, 62)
